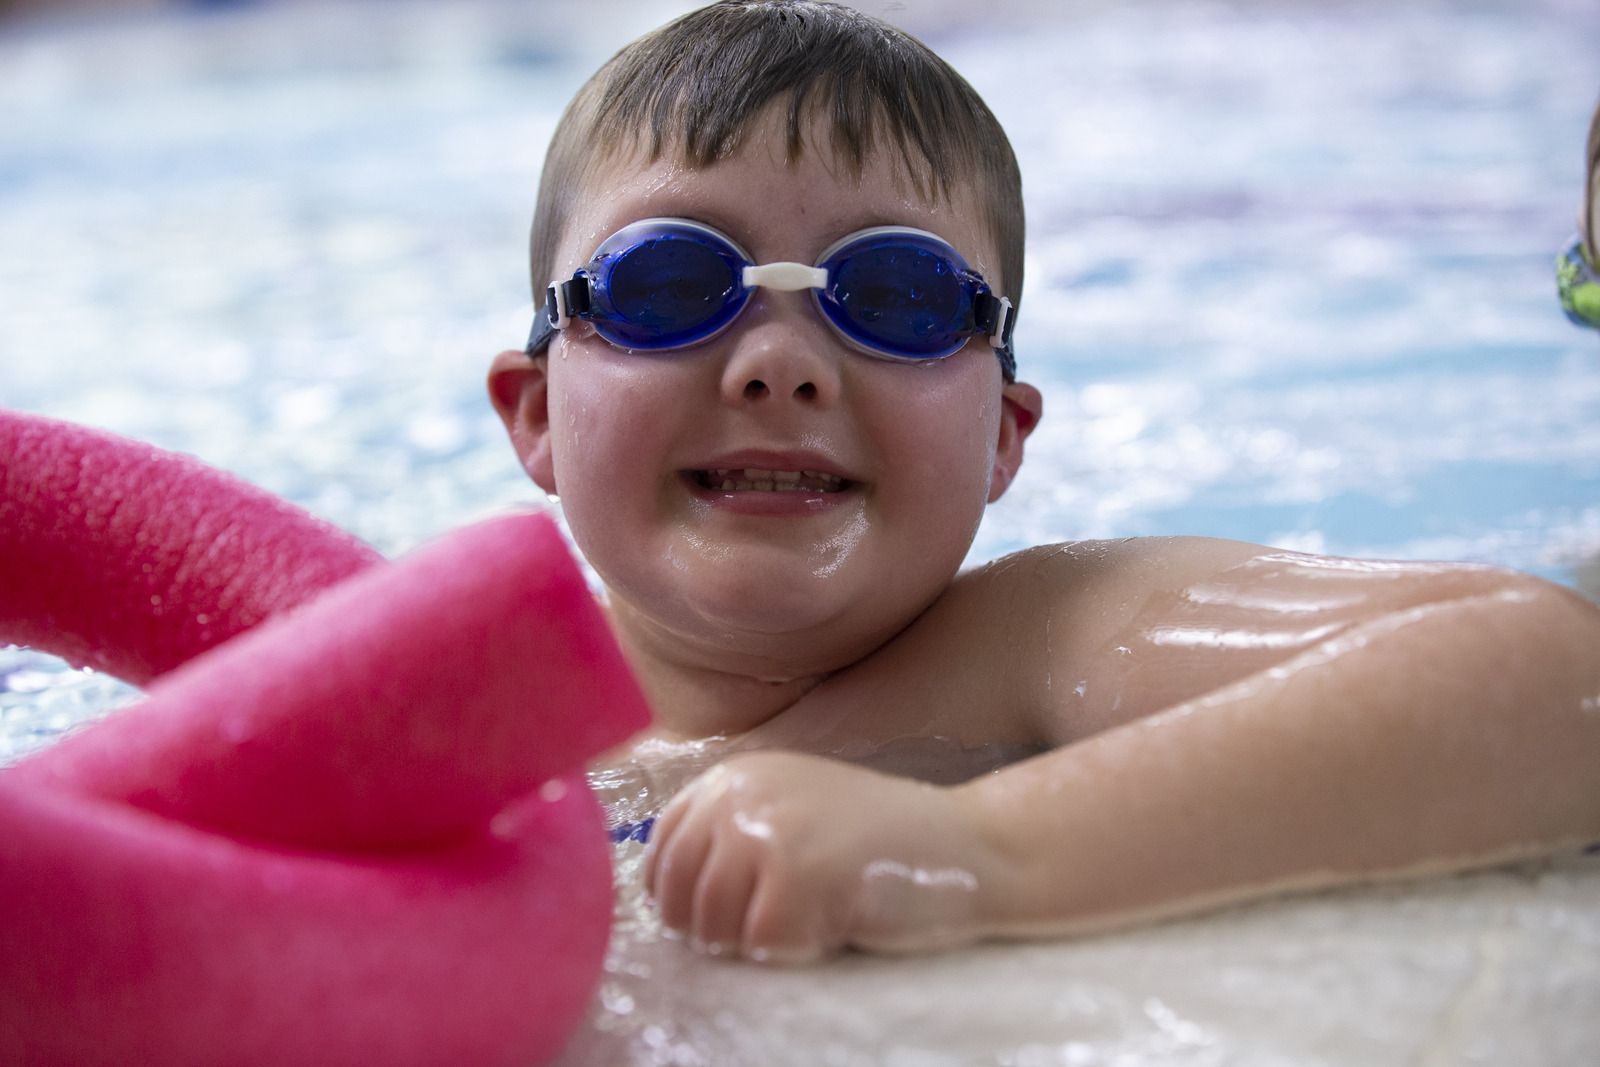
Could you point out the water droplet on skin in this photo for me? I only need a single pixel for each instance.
(751, 826)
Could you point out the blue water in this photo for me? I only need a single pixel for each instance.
(1289, 265)
(1288, 275)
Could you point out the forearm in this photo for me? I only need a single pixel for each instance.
(1451, 734)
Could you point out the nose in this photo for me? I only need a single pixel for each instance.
(781, 352)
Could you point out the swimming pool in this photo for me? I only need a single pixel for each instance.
(1288, 281)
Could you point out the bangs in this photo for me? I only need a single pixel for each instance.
(696, 93)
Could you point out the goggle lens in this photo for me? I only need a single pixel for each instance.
(668, 291)
(901, 299)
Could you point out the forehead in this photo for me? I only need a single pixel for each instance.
(775, 207)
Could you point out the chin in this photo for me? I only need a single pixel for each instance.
(758, 608)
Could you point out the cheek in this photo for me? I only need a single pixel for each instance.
(945, 452)
(951, 444)
(604, 421)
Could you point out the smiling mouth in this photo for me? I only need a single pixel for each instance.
(750, 479)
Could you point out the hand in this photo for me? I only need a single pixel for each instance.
(785, 857)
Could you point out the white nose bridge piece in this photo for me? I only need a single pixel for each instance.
(785, 277)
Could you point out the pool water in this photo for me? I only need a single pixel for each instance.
(1289, 270)
(1289, 281)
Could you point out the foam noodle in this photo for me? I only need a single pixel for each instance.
(133, 939)
(353, 834)
(404, 707)
(117, 555)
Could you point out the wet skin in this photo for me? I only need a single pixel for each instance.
(1216, 720)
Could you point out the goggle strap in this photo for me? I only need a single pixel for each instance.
(995, 316)
(540, 335)
(563, 302)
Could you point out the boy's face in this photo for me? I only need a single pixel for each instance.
(791, 580)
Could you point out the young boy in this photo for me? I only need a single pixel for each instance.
(777, 470)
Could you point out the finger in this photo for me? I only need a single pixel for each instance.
(722, 894)
(677, 870)
(661, 834)
(778, 928)
(667, 823)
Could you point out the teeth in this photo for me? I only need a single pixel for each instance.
(753, 478)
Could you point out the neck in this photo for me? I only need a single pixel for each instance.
(700, 692)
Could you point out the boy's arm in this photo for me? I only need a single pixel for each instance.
(1346, 722)
(1433, 735)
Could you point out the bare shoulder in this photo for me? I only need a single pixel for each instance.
(1101, 632)
(1137, 565)
(1055, 643)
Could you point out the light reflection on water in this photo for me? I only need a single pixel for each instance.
(1289, 280)
(1288, 277)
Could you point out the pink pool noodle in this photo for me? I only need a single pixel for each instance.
(132, 939)
(118, 555)
(325, 841)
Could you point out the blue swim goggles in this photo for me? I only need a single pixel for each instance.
(1578, 286)
(889, 291)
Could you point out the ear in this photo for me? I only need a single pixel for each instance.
(519, 389)
(1021, 407)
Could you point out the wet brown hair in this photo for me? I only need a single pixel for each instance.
(693, 89)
